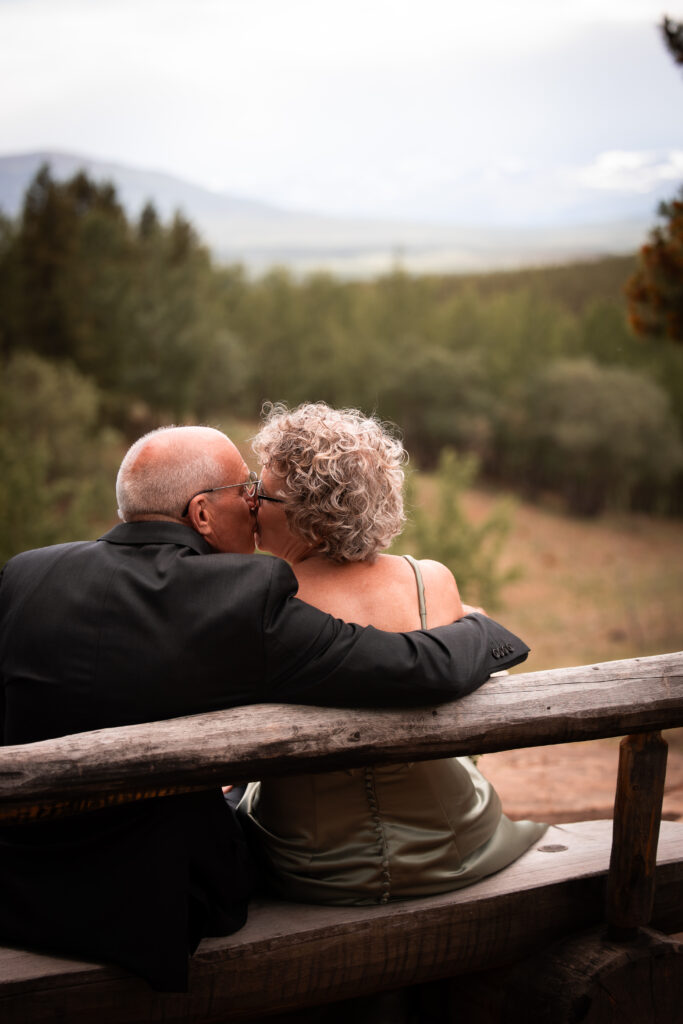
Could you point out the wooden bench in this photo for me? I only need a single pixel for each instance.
(288, 956)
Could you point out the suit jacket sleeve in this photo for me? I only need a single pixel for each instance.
(312, 658)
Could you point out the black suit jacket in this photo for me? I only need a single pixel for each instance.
(133, 628)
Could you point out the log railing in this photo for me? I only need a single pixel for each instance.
(85, 770)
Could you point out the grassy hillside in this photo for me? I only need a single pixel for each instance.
(591, 590)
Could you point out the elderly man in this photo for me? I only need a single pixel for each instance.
(136, 627)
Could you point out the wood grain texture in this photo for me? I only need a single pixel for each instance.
(637, 814)
(583, 978)
(519, 710)
(291, 955)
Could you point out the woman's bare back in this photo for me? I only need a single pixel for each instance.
(382, 593)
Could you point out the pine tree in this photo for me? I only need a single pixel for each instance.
(655, 292)
(672, 32)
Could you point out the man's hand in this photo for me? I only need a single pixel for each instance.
(468, 609)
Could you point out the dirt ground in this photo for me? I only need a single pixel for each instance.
(589, 590)
(573, 781)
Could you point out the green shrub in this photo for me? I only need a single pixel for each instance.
(597, 433)
(57, 466)
(445, 532)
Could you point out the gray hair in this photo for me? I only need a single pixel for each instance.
(164, 483)
(343, 476)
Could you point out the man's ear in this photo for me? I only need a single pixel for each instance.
(199, 516)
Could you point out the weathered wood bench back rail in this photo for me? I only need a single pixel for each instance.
(289, 956)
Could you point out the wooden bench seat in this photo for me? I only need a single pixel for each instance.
(291, 955)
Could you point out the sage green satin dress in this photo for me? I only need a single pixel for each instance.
(370, 835)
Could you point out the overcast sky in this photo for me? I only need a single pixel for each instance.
(519, 112)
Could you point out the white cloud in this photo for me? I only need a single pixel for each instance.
(630, 170)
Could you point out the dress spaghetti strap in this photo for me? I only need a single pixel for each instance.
(420, 590)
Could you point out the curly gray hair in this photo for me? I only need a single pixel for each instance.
(343, 475)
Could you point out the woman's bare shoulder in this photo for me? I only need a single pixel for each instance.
(357, 591)
(441, 592)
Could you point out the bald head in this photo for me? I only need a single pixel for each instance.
(163, 469)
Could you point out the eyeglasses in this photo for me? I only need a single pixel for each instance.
(260, 496)
(250, 489)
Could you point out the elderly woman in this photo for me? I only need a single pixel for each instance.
(329, 501)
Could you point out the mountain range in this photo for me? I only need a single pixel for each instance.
(260, 235)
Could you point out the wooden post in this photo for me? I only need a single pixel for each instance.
(637, 814)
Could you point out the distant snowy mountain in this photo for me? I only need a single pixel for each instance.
(260, 235)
